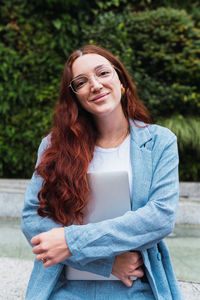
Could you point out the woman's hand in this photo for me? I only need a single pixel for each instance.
(51, 247)
(128, 264)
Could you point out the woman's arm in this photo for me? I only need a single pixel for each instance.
(48, 232)
(136, 230)
(33, 224)
(140, 229)
(51, 248)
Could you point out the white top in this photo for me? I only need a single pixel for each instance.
(112, 159)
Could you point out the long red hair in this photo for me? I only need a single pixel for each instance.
(64, 164)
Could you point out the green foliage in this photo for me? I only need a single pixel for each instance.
(33, 49)
(188, 135)
(186, 130)
(106, 5)
(159, 46)
(161, 49)
(189, 168)
(188, 5)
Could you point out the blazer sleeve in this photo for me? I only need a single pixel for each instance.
(140, 229)
(32, 224)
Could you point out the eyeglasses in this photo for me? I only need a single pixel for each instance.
(102, 74)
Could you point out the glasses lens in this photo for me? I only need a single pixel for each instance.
(102, 74)
(78, 83)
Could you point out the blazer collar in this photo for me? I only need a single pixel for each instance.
(140, 135)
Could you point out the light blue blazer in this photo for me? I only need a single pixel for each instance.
(155, 195)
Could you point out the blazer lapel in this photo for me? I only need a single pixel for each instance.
(141, 162)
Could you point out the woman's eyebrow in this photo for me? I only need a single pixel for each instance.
(96, 68)
(99, 66)
(80, 75)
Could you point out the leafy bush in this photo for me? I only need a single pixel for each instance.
(188, 134)
(33, 49)
(160, 48)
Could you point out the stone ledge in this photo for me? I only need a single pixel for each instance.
(12, 199)
(190, 190)
(13, 183)
(188, 212)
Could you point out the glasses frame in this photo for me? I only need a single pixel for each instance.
(110, 66)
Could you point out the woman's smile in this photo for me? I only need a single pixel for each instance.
(100, 97)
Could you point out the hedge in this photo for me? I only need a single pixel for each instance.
(33, 50)
(160, 48)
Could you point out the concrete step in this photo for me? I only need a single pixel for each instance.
(12, 199)
(188, 211)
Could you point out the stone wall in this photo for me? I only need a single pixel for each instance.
(12, 199)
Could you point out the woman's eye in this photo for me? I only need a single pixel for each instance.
(104, 73)
(78, 84)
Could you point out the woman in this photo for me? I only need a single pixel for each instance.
(99, 115)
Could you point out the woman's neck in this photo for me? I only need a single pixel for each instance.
(112, 130)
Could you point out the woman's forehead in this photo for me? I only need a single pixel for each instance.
(87, 63)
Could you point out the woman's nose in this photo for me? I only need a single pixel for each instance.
(95, 84)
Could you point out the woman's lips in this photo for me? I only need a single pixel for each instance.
(99, 97)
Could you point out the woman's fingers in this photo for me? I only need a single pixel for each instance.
(47, 262)
(138, 264)
(127, 281)
(137, 273)
(38, 249)
(35, 240)
(127, 266)
(127, 262)
(50, 247)
(40, 257)
(136, 259)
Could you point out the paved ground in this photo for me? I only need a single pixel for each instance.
(16, 257)
(16, 260)
(15, 275)
(16, 272)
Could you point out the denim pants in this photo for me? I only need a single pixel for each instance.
(100, 290)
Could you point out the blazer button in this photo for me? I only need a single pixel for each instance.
(159, 256)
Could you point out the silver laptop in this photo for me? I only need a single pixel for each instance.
(110, 198)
